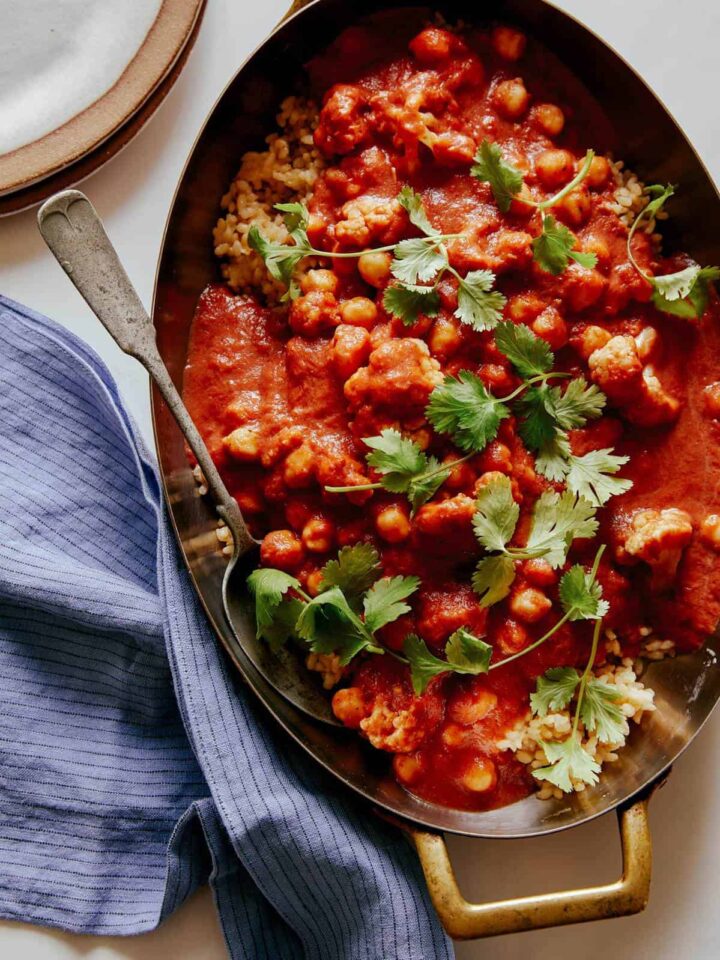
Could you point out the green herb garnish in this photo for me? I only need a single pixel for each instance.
(555, 246)
(685, 293)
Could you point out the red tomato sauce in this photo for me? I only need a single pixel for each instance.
(311, 385)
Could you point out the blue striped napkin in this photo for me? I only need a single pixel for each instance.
(132, 766)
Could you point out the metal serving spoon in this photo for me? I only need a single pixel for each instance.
(74, 233)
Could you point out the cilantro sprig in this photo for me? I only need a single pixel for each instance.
(404, 467)
(685, 293)
(555, 247)
(417, 267)
(463, 408)
(557, 520)
(354, 602)
(464, 652)
(596, 706)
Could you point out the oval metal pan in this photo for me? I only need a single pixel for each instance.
(686, 688)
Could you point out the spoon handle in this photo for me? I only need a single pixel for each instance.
(74, 233)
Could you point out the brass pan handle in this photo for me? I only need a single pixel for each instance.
(467, 921)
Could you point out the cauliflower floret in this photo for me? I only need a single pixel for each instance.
(657, 537)
(370, 218)
(328, 666)
(343, 120)
(401, 731)
(400, 376)
(618, 370)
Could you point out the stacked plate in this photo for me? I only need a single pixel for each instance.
(78, 80)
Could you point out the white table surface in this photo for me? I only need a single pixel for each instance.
(674, 46)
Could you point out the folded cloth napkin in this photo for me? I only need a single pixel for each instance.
(133, 767)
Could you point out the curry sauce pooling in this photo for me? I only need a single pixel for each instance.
(471, 409)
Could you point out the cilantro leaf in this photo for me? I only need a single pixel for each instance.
(567, 761)
(579, 403)
(412, 202)
(694, 304)
(554, 248)
(330, 626)
(504, 179)
(493, 578)
(557, 520)
(676, 286)
(280, 258)
(478, 307)
(283, 626)
(417, 261)
(554, 690)
(592, 476)
(384, 602)
(297, 217)
(581, 595)
(268, 587)
(659, 196)
(411, 301)
(396, 457)
(496, 515)
(354, 572)
(600, 713)
(528, 353)
(425, 486)
(404, 466)
(537, 427)
(466, 653)
(552, 458)
(462, 407)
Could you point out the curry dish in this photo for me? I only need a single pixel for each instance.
(470, 407)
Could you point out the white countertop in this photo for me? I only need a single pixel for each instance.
(674, 46)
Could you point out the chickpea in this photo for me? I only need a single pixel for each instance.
(350, 349)
(472, 708)
(496, 377)
(480, 776)
(520, 205)
(497, 456)
(529, 604)
(596, 245)
(453, 735)
(599, 173)
(351, 532)
(407, 766)
(508, 43)
(710, 531)
(711, 398)
(575, 208)
(392, 524)
(487, 478)
(318, 535)
(539, 573)
(591, 339)
(299, 469)
(524, 307)
(243, 444)
(432, 46)
(512, 637)
(282, 549)
(453, 149)
(250, 501)
(549, 118)
(375, 268)
(324, 281)
(349, 707)
(313, 582)
(461, 476)
(551, 327)
(555, 168)
(444, 339)
(359, 312)
(511, 99)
